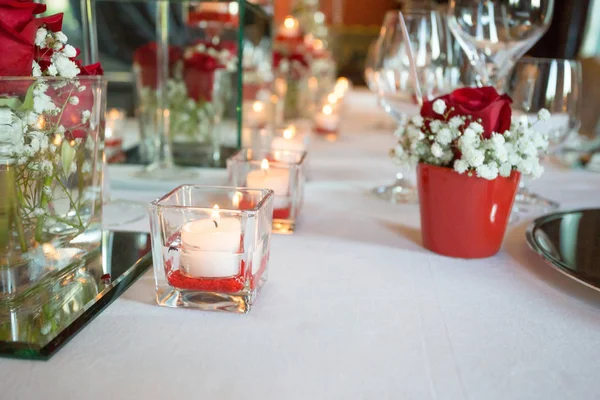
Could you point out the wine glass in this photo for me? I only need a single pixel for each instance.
(496, 33)
(553, 84)
(395, 84)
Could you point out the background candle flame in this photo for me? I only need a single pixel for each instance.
(288, 133)
(258, 106)
(264, 165)
(290, 22)
(215, 215)
(327, 110)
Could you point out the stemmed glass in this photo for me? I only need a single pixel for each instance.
(395, 84)
(496, 33)
(553, 84)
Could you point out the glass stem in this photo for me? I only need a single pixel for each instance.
(164, 156)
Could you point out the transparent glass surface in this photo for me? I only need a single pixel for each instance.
(189, 61)
(50, 176)
(282, 171)
(555, 85)
(38, 322)
(395, 83)
(211, 246)
(570, 242)
(495, 34)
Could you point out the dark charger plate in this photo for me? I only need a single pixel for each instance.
(70, 305)
(570, 242)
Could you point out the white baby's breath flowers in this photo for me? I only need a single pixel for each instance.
(74, 100)
(462, 143)
(69, 51)
(439, 106)
(35, 69)
(60, 36)
(65, 67)
(40, 37)
(544, 115)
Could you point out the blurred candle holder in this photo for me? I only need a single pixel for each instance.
(327, 122)
(279, 170)
(256, 114)
(210, 246)
(288, 138)
(113, 133)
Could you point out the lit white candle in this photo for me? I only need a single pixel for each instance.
(256, 114)
(327, 120)
(288, 141)
(276, 179)
(290, 28)
(342, 85)
(209, 247)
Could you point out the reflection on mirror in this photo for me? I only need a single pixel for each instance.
(38, 322)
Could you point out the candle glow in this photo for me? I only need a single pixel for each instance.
(290, 22)
(327, 109)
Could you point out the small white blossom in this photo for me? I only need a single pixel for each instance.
(61, 130)
(60, 36)
(544, 115)
(477, 127)
(505, 170)
(487, 171)
(40, 37)
(435, 126)
(74, 100)
(35, 69)
(444, 136)
(69, 51)
(439, 106)
(474, 157)
(417, 120)
(57, 46)
(46, 167)
(461, 166)
(6, 116)
(66, 68)
(437, 150)
(81, 88)
(42, 102)
(85, 116)
(47, 190)
(86, 168)
(52, 71)
(456, 122)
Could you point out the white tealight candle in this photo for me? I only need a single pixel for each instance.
(276, 179)
(256, 114)
(288, 141)
(209, 247)
(327, 120)
(290, 28)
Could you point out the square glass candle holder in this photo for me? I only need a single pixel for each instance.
(327, 122)
(210, 246)
(281, 171)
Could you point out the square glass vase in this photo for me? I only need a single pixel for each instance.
(280, 170)
(210, 246)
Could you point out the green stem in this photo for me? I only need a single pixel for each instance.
(71, 202)
(39, 226)
(14, 206)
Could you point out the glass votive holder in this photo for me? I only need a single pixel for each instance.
(113, 133)
(327, 122)
(210, 246)
(289, 138)
(281, 171)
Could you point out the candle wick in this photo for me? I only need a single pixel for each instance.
(216, 224)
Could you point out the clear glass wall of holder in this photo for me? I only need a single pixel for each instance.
(211, 246)
(281, 170)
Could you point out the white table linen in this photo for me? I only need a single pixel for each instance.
(354, 308)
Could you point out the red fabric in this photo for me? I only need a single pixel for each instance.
(463, 216)
(481, 103)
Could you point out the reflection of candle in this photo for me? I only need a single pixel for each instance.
(209, 247)
(326, 120)
(276, 179)
(290, 28)
(256, 115)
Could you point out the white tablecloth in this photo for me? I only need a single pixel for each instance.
(354, 308)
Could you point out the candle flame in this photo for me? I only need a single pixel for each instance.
(327, 109)
(288, 133)
(237, 198)
(264, 165)
(216, 218)
(332, 98)
(290, 22)
(258, 106)
(318, 45)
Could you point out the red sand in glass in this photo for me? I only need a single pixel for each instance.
(278, 213)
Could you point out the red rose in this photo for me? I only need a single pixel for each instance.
(89, 70)
(481, 103)
(17, 14)
(199, 75)
(145, 58)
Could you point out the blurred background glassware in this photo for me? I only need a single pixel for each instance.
(395, 86)
(496, 33)
(553, 84)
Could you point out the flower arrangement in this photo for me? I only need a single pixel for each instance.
(471, 131)
(292, 64)
(49, 131)
(192, 74)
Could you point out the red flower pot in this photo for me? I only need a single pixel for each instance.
(464, 216)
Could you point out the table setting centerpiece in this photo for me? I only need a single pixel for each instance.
(470, 154)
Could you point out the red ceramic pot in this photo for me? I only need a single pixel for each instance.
(464, 216)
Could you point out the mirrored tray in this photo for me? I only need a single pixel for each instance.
(38, 327)
(570, 242)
